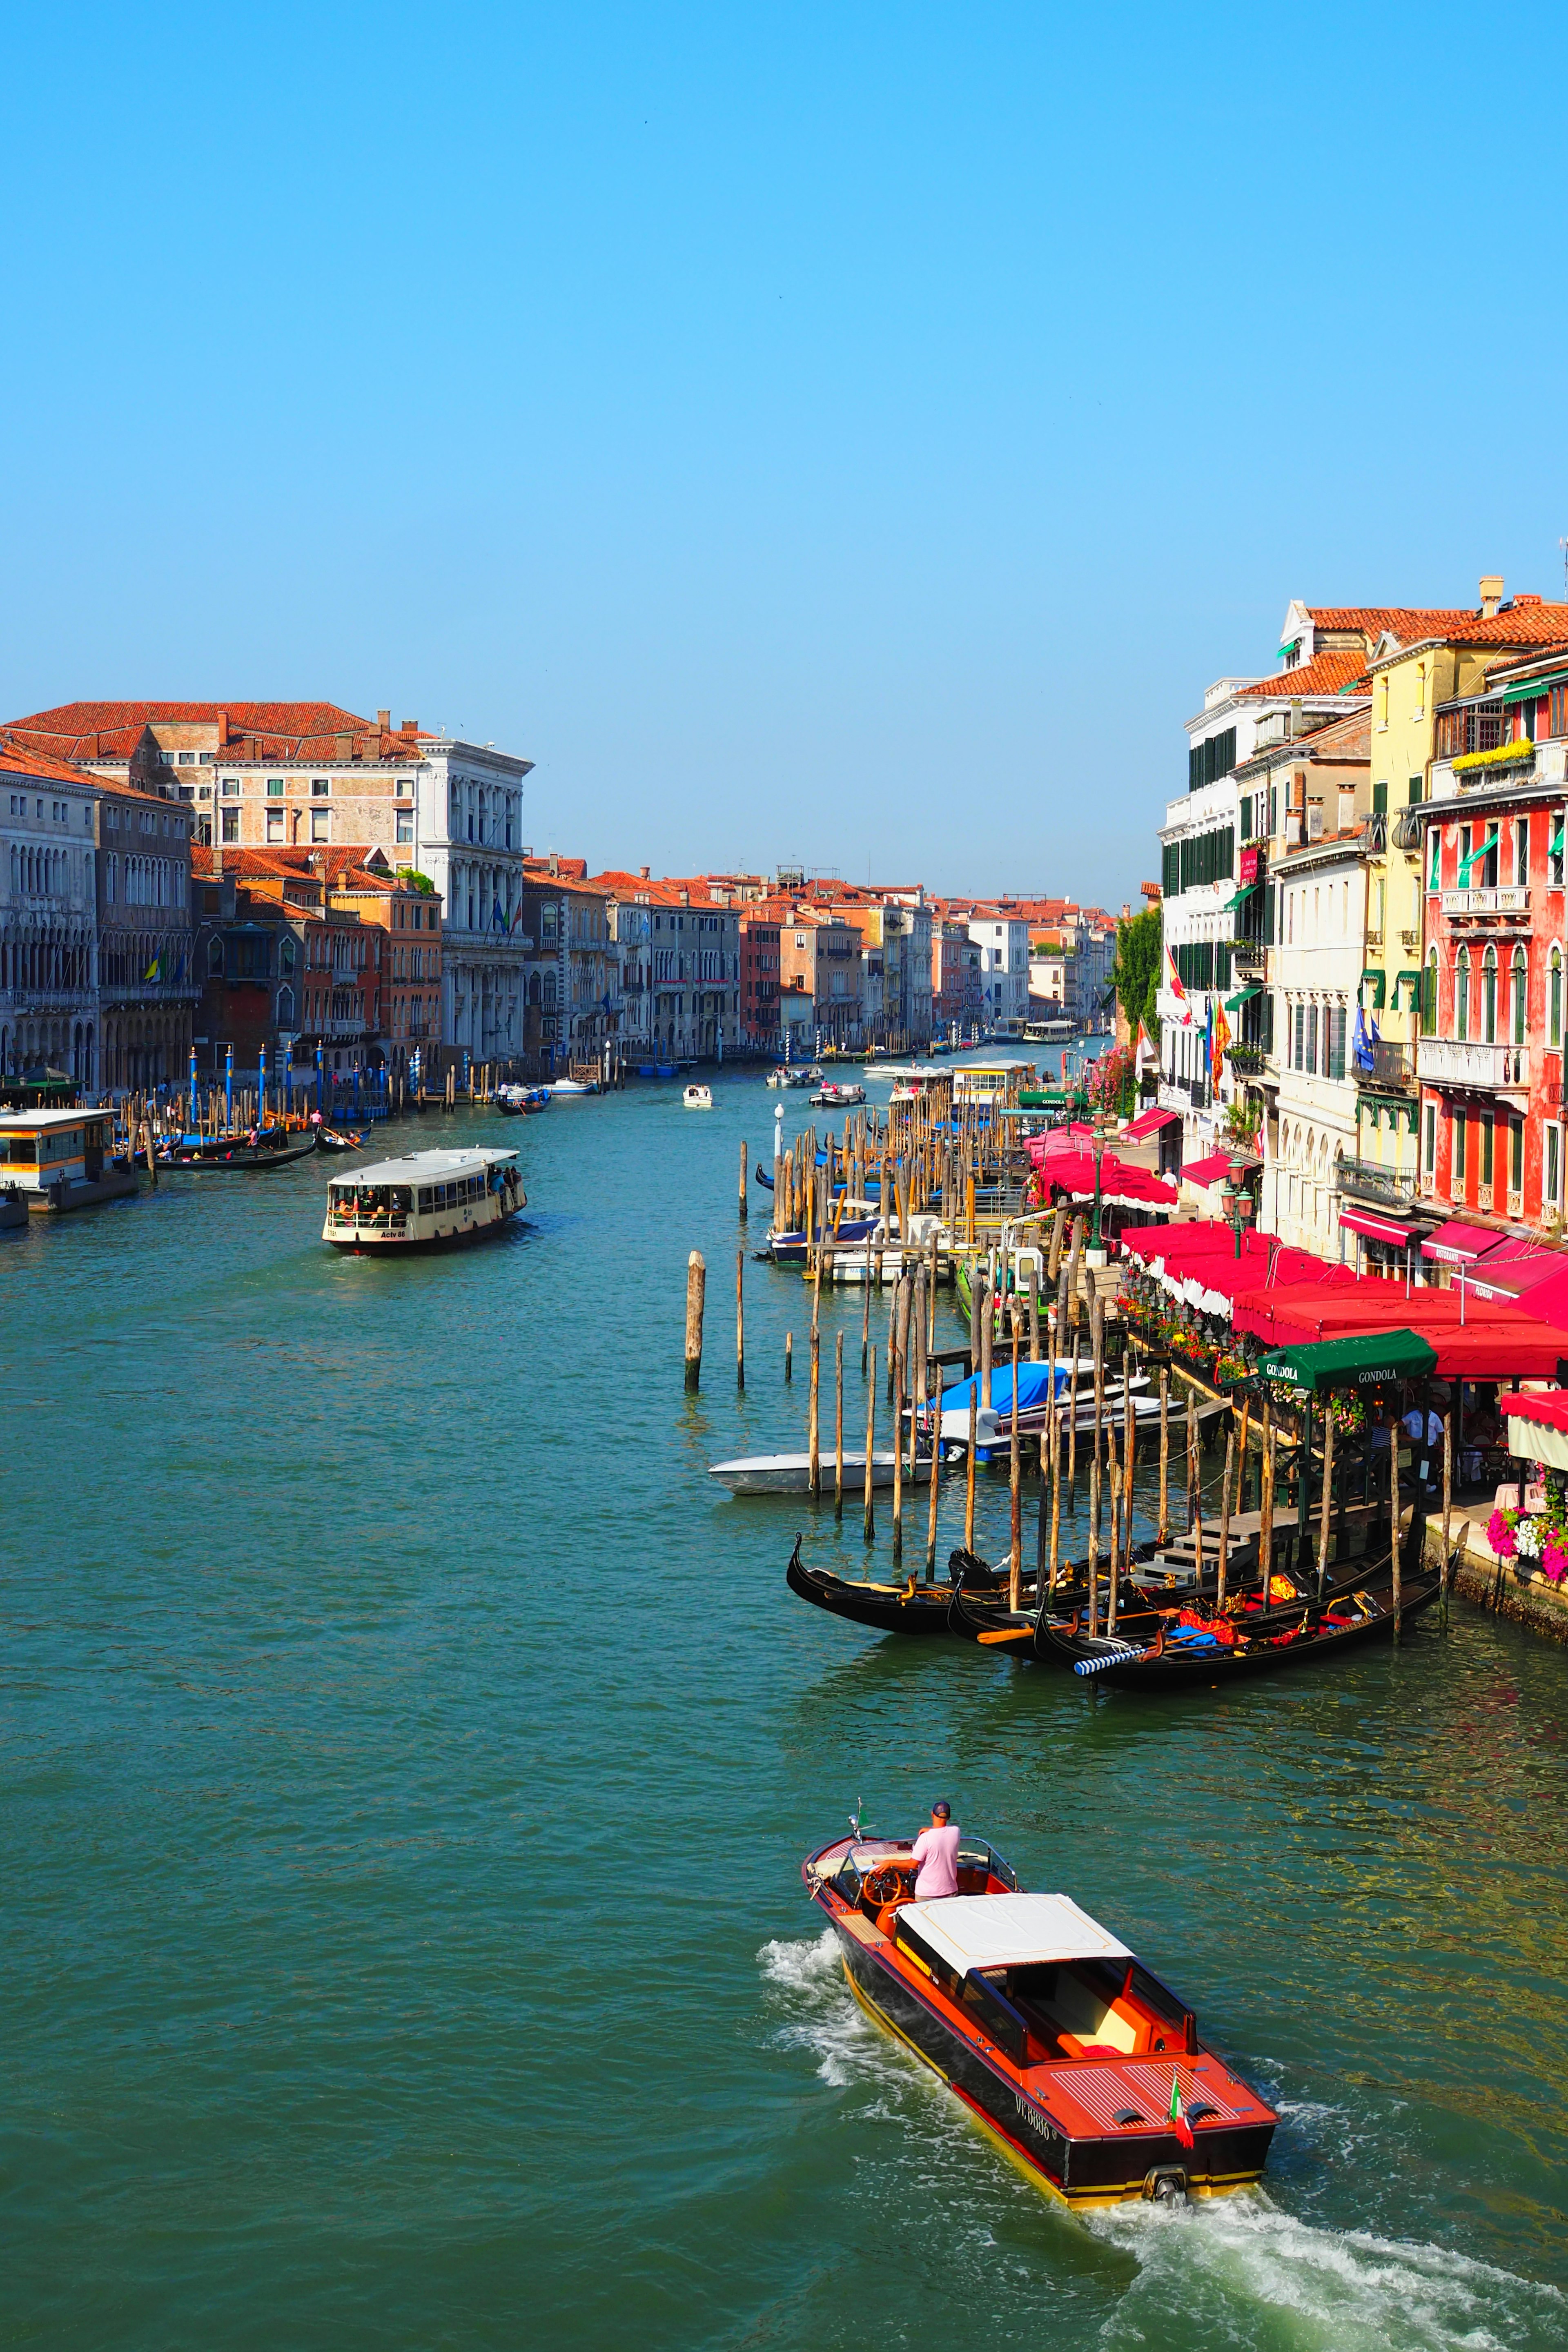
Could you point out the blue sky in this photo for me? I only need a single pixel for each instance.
(842, 437)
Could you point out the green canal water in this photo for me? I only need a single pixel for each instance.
(408, 1760)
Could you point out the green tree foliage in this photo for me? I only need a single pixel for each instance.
(1135, 975)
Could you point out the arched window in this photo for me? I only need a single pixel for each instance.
(1489, 997)
(285, 1008)
(215, 957)
(1518, 992)
(286, 956)
(1462, 994)
(1554, 1000)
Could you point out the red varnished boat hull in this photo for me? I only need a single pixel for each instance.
(1054, 2121)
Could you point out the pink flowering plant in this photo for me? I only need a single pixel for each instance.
(1538, 1539)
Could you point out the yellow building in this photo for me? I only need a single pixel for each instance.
(1408, 682)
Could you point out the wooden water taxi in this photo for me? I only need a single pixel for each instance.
(1071, 2055)
(426, 1200)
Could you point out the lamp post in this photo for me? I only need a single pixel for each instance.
(1239, 1206)
(1097, 1146)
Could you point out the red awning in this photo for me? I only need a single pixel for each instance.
(1458, 1244)
(1147, 1123)
(1544, 1408)
(1375, 1228)
(1208, 1171)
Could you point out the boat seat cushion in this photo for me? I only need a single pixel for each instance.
(1073, 2046)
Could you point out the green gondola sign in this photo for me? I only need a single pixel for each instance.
(1374, 1363)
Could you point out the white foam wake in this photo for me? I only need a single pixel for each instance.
(819, 2012)
(1221, 2263)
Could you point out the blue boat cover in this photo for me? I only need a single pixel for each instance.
(1035, 1387)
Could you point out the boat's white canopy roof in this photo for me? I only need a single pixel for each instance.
(426, 1167)
(999, 1931)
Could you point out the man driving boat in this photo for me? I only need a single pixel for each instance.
(935, 1852)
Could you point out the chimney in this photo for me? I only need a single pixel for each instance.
(1491, 595)
(554, 866)
(411, 727)
(222, 729)
(642, 873)
(384, 721)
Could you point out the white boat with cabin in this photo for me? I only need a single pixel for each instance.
(426, 1200)
(57, 1160)
(696, 1099)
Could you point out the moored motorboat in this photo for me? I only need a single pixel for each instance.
(833, 1097)
(790, 1474)
(1071, 2055)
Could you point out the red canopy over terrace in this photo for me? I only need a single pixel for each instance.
(1069, 1168)
(1147, 1123)
(1488, 1344)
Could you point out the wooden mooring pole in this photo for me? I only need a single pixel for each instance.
(744, 1205)
(696, 1284)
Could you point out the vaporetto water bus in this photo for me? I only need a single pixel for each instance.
(426, 1200)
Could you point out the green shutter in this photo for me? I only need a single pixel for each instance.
(1380, 798)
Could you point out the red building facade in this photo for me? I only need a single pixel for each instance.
(1490, 1062)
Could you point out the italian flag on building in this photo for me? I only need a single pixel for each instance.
(1179, 2123)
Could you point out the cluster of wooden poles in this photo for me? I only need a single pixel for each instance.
(931, 1148)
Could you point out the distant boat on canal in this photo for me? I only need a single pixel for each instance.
(51, 1161)
(426, 1200)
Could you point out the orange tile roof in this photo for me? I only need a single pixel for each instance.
(1516, 662)
(258, 730)
(1526, 621)
(1407, 621)
(23, 760)
(1341, 669)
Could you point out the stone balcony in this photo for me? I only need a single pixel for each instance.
(1511, 898)
(1464, 1061)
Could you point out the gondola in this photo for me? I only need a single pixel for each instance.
(1308, 1634)
(907, 1607)
(225, 1155)
(764, 1179)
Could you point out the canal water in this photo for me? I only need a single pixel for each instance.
(408, 1760)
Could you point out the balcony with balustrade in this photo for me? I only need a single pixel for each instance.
(1470, 1064)
(1509, 900)
(1377, 1186)
(1389, 1069)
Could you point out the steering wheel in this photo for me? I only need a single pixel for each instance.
(886, 1885)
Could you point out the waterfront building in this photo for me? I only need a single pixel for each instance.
(1411, 682)
(294, 953)
(820, 978)
(1318, 961)
(998, 929)
(1489, 1057)
(689, 948)
(757, 926)
(48, 918)
(1324, 657)
(293, 775)
(631, 941)
(148, 982)
(957, 993)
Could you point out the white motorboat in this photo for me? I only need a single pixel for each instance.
(832, 1096)
(790, 1474)
(793, 1074)
(570, 1086)
(696, 1099)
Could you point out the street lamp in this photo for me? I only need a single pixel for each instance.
(1239, 1206)
(1097, 1147)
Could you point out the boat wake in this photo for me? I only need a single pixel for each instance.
(820, 2016)
(1236, 2260)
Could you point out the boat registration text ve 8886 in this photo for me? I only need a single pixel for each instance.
(426, 1200)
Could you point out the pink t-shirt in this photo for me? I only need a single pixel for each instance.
(936, 1851)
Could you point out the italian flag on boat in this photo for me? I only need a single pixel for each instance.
(1179, 2123)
